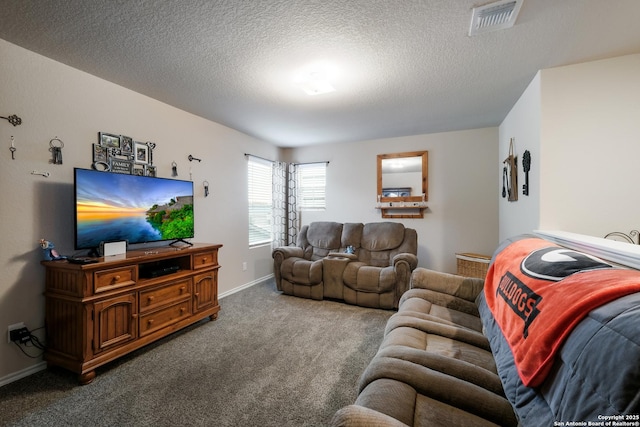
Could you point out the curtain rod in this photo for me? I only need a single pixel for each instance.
(296, 164)
(258, 157)
(310, 163)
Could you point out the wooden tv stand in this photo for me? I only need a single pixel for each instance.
(98, 312)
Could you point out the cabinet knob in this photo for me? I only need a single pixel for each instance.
(204, 260)
(115, 279)
(182, 309)
(182, 289)
(150, 321)
(150, 298)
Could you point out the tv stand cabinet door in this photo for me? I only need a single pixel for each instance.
(205, 291)
(115, 322)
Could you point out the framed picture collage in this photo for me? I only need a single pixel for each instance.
(121, 154)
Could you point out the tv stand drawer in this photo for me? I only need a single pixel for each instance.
(161, 295)
(106, 280)
(205, 259)
(159, 319)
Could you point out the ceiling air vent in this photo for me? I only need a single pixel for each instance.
(494, 16)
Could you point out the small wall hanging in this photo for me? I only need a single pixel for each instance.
(55, 146)
(13, 148)
(13, 119)
(526, 167)
(510, 174)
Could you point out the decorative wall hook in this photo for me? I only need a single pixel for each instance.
(13, 119)
(206, 188)
(191, 158)
(174, 169)
(55, 146)
(45, 174)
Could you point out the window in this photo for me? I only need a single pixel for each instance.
(259, 173)
(311, 186)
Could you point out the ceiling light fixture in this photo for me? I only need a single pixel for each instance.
(315, 83)
(494, 16)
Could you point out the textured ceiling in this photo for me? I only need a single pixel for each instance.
(400, 67)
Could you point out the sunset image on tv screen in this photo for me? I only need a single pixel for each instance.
(114, 207)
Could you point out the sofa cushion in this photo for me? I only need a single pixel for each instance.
(470, 402)
(420, 305)
(361, 277)
(322, 238)
(382, 236)
(298, 270)
(351, 235)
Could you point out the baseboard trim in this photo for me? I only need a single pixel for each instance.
(245, 286)
(15, 376)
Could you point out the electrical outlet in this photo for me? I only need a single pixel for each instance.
(244, 266)
(13, 328)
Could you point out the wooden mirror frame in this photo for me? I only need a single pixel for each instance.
(425, 174)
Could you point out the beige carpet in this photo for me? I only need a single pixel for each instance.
(269, 360)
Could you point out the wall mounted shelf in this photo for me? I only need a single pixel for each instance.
(402, 209)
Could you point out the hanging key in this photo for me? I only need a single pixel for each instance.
(206, 188)
(55, 146)
(12, 148)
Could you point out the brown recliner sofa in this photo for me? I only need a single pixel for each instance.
(445, 359)
(376, 274)
(434, 366)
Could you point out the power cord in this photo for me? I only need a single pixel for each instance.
(31, 341)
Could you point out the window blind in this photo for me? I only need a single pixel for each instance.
(312, 178)
(259, 174)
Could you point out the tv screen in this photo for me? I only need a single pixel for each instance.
(140, 209)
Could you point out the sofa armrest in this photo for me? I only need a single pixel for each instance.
(287, 252)
(466, 288)
(361, 416)
(410, 259)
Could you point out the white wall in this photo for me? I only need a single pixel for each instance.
(55, 100)
(581, 123)
(590, 137)
(523, 125)
(462, 214)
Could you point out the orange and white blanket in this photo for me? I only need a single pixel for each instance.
(538, 292)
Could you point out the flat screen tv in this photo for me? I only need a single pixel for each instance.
(139, 209)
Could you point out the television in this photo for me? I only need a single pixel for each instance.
(112, 207)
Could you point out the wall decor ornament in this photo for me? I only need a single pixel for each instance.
(510, 174)
(121, 154)
(55, 146)
(526, 166)
(13, 119)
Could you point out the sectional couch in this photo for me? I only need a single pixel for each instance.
(449, 358)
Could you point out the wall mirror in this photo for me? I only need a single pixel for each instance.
(402, 177)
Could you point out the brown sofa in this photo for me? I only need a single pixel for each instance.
(445, 359)
(375, 275)
(434, 366)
